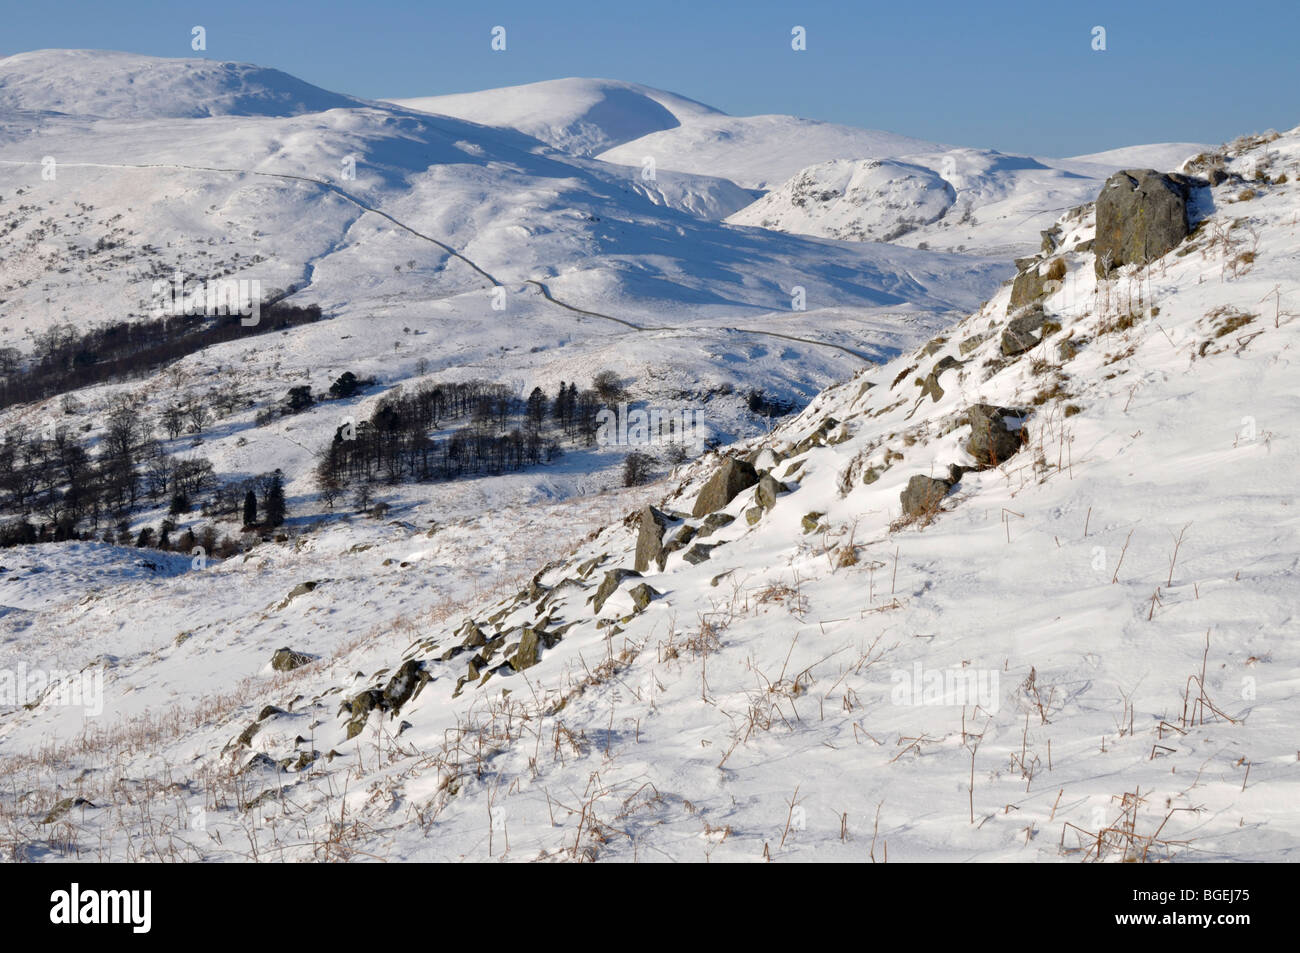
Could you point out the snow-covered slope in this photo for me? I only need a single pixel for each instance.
(876, 200)
(959, 199)
(577, 115)
(438, 248)
(759, 152)
(1083, 651)
(110, 85)
(821, 179)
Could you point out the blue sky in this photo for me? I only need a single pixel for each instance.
(1015, 76)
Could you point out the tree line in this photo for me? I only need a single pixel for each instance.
(446, 431)
(66, 359)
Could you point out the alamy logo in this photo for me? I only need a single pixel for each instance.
(241, 296)
(76, 906)
(648, 427)
(24, 686)
(949, 686)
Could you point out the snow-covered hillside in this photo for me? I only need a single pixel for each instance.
(971, 200)
(109, 85)
(583, 116)
(626, 124)
(820, 178)
(1080, 648)
(438, 249)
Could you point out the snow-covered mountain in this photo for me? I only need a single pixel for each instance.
(583, 116)
(1082, 641)
(402, 225)
(820, 178)
(110, 85)
(957, 200)
(626, 124)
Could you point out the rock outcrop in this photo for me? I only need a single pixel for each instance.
(922, 495)
(996, 434)
(732, 477)
(650, 538)
(286, 659)
(1141, 216)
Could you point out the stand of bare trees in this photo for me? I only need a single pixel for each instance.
(451, 430)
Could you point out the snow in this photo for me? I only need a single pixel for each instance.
(972, 200)
(577, 115)
(110, 85)
(762, 705)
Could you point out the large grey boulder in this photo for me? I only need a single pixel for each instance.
(529, 651)
(1141, 216)
(996, 434)
(922, 495)
(769, 488)
(732, 477)
(1034, 281)
(650, 538)
(1023, 333)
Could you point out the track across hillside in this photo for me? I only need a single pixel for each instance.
(448, 249)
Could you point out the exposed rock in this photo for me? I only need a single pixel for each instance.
(684, 535)
(1032, 282)
(817, 438)
(996, 434)
(812, 520)
(529, 651)
(642, 595)
(360, 706)
(270, 710)
(698, 553)
(931, 384)
(922, 495)
(732, 477)
(712, 522)
(966, 345)
(794, 468)
(753, 515)
(405, 684)
(649, 538)
(1022, 333)
(299, 590)
(475, 666)
(609, 585)
(1141, 216)
(286, 659)
(768, 489)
